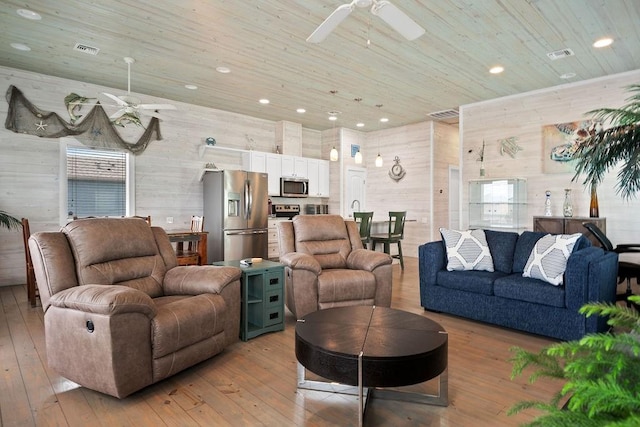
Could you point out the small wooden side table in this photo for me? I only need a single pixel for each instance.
(262, 297)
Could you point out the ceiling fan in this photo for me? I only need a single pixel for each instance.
(389, 13)
(130, 106)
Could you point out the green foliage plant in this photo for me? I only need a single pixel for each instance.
(9, 222)
(601, 373)
(603, 149)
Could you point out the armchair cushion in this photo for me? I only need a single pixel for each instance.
(325, 238)
(332, 291)
(186, 280)
(102, 299)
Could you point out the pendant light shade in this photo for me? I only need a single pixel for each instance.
(333, 155)
(358, 157)
(379, 161)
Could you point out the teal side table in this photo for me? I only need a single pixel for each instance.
(262, 307)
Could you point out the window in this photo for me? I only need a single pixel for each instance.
(97, 182)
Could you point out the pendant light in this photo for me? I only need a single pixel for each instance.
(358, 156)
(333, 154)
(379, 158)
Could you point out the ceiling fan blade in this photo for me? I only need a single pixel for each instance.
(118, 101)
(117, 114)
(157, 107)
(330, 23)
(397, 19)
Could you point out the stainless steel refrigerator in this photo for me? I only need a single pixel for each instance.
(235, 214)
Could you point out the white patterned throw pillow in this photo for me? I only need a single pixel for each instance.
(467, 250)
(548, 259)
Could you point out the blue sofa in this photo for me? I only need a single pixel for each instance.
(505, 298)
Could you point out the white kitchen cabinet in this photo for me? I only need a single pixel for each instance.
(294, 166)
(274, 171)
(254, 161)
(318, 174)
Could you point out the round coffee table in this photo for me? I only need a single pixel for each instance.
(372, 347)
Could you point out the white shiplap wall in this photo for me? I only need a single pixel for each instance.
(167, 173)
(523, 116)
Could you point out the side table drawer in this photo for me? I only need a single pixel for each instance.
(273, 315)
(273, 280)
(274, 298)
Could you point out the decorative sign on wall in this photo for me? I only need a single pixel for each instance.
(559, 144)
(95, 129)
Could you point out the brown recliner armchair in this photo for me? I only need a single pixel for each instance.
(119, 313)
(326, 265)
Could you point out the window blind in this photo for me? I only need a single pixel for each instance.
(97, 182)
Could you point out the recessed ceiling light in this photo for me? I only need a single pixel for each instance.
(567, 75)
(384, 120)
(191, 87)
(496, 70)
(333, 118)
(604, 42)
(21, 46)
(223, 70)
(360, 125)
(264, 101)
(29, 14)
(301, 110)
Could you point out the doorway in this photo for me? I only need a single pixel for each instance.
(454, 197)
(355, 192)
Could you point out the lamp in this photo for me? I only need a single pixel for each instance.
(358, 157)
(333, 155)
(379, 161)
(379, 158)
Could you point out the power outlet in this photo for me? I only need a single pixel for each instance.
(169, 220)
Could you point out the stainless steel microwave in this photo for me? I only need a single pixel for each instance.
(294, 187)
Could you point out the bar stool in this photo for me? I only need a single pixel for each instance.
(363, 219)
(394, 235)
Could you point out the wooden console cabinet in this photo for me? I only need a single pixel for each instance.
(568, 225)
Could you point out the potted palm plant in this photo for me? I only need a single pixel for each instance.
(600, 372)
(9, 222)
(603, 149)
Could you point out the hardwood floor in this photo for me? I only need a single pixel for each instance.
(254, 383)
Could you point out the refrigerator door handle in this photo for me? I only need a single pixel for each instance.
(245, 232)
(249, 199)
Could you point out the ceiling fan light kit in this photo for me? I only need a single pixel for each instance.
(387, 11)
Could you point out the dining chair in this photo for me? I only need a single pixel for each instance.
(190, 255)
(32, 289)
(363, 219)
(394, 235)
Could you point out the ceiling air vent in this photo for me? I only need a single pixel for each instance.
(562, 53)
(444, 114)
(86, 49)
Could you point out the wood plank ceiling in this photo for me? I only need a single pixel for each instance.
(263, 43)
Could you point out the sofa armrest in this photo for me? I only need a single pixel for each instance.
(591, 275)
(300, 261)
(105, 299)
(431, 259)
(199, 279)
(364, 259)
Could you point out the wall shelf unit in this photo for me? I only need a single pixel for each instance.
(498, 204)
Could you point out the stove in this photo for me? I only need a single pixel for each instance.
(285, 211)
